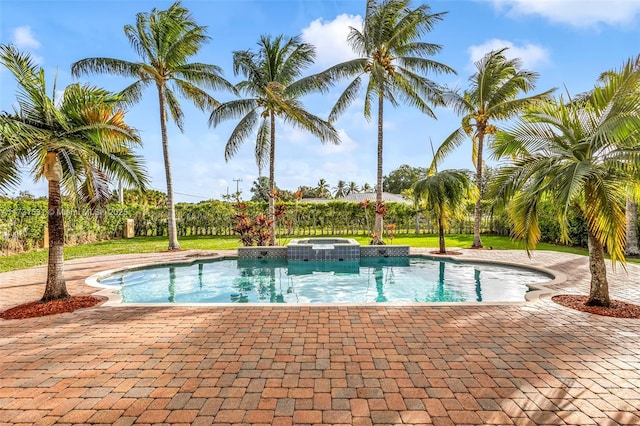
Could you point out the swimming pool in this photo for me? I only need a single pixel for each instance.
(373, 280)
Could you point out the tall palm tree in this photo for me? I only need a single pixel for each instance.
(165, 40)
(393, 59)
(352, 188)
(322, 189)
(582, 154)
(492, 95)
(273, 87)
(340, 190)
(444, 194)
(79, 143)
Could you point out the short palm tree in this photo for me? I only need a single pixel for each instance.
(273, 87)
(444, 194)
(165, 40)
(492, 95)
(582, 154)
(79, 142)
(393, 59)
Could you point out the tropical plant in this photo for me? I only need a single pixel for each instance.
(366, 188)
(165, 40)
(150, 197)
(631, 214)
(492, 95)
(352, 188)
(394, 59)
(260, 189)
(78, 142)
(340, 190)
(273, 87)
(444, 194)
(307, 191)
(322, 189)
(583, 155)
(402, 178)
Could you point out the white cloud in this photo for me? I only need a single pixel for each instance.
(346, 145)
(531, 55)
(23, 38)
(577, 13)
(330, 39)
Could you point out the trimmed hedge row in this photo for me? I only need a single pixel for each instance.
(22, 223)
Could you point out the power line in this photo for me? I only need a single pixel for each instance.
(186, 195)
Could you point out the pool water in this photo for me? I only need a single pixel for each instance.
(408, 279)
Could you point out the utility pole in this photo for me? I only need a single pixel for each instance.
(237, 181)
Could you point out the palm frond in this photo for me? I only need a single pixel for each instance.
(106, 66)
(300, 117)
(203, 76)
(173, 106)
(263, 143)
(452, 142)
(346, 98)
(200, 99)
(244, 128)
(232, 110)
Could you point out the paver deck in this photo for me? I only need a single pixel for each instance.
(533, 363)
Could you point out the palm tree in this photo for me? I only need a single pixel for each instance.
(492, 95)
(340, 190)
(352, 188)
(394, 59)
(444, 194)
(272, 87)
(631, 248)
(367, 188)
(79, 143)
(165, 40)
(583, 155)
(322, 189)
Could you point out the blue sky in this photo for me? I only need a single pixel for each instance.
(569, 42)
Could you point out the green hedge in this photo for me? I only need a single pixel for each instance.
(22, 222)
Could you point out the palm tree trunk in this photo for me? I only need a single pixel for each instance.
(632, 228)
(599, 292)
(443, 249)
(477, 213)
(379, 224)
(56, 288)
(272, 158)
(171, 219)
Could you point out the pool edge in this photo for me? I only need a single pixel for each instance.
(537, 291)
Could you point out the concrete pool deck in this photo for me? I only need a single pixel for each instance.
(528, 363)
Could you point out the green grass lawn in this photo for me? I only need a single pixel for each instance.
(158, 244)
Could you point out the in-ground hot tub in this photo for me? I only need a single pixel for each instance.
(323, 249)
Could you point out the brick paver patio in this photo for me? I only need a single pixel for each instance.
(531, 363)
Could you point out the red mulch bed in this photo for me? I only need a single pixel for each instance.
(618, 310)
(73, 303)
(40, 309)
